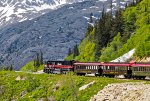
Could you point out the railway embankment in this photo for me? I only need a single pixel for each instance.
(129, 91)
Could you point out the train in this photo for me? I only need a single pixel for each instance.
(135, 70)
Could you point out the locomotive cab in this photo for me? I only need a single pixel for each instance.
(58, 67)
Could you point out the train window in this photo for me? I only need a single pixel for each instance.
(52, 63)
(139, 68)
(112, 67)
(136, 68)
(148, 68)
(59, 64)
(142, 68)
(95, 67)
(108, 68)
(104, 67)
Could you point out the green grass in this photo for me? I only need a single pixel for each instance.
(30, 67)
(33, 87)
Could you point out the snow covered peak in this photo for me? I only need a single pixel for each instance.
(12, 11)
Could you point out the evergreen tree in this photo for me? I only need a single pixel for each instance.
(11, 67)
(91, 18)
(90, 27)
(34, 63)
(37, 60)
(41, 58)
(117, 24)
(75, 51)
(111, 7)
(69, 52)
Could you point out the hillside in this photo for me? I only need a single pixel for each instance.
(53, 33)
(111, 37)
(21, 86)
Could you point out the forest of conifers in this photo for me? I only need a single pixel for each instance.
(116, 34)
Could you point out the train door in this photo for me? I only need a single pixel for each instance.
(100, 71)
(129, 72)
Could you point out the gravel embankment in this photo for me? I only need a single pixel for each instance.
(124, 92)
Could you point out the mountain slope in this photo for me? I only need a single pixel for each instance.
(13, 11)
(52, 33)
(133, 33)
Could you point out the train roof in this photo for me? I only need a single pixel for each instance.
(88, 63)
(141, 64)
(116, 64)
(103, 63)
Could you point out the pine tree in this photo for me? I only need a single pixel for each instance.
(34, 63)
(41, 58)
(75, 51)
(69, 52)
(11, 67)
(37, 60)
(90, 27)
(111, 7)
(91, 18)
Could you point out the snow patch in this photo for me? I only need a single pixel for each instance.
(70, 8)
(83, 9)
(92, 24)
(108, 10)
(87, 18)
(94, 7)
(102, 0)
(94, 17)
(125, 57)
(114, 4)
